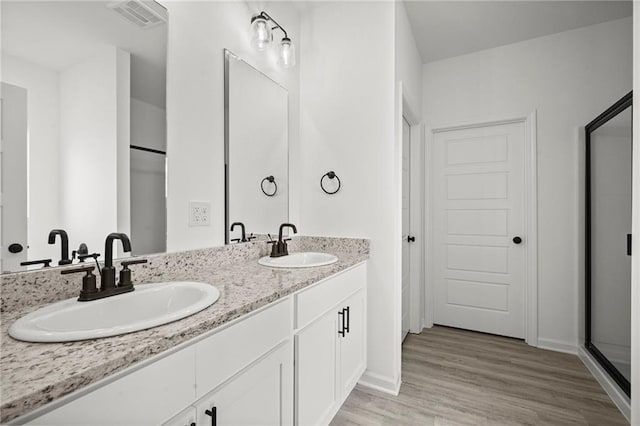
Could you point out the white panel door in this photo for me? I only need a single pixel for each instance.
(406, 229)
(478, 211)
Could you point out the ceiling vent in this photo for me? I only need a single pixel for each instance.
(145, 14)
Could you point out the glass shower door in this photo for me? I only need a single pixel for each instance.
(608, 291)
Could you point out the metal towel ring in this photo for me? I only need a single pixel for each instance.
(330, 175)
(273, 181)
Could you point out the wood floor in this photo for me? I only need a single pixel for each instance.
(458, 377)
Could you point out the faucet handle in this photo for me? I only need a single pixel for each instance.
(126, 263)
(89, 287)
(87, 269)
(45, 262)
(125, 273)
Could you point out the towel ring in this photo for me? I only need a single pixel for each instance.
(273, 181)
(330, 175)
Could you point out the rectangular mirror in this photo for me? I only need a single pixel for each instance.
(256, 150)
(83, 92)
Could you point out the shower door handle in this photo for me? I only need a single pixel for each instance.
(628, 244)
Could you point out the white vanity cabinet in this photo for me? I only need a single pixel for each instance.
(243, 372)
(330, 344)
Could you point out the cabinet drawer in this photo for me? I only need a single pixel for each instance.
(147, 396)
(225, 353)
(313, 302)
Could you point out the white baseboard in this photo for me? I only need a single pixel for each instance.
(558, 346)
(619, 398)
(379, 382)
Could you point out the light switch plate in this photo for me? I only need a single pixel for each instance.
(199, 213)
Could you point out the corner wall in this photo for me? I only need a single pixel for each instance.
(569, 78)
(347, 125)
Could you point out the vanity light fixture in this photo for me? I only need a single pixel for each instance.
(263, 37)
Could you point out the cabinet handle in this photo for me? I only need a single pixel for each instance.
(213, 413)
(346, 328)
(341, 322)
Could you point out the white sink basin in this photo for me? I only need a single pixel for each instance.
(299, 260)
(148, 306)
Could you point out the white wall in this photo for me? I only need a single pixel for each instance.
(89, 120)
(569, 78)
(198, 33)
(407, 60)
(43, 114)
(347, 125)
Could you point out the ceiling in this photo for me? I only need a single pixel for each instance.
(58, 34)
(444, 29)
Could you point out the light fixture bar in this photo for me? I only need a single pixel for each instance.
(264, 15)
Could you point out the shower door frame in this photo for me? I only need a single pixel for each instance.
(620, 106)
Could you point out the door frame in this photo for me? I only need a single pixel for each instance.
(416, 215)
(530, 211)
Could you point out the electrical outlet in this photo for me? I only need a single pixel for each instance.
(199, 213)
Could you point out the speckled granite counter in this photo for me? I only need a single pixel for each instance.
(33, 374)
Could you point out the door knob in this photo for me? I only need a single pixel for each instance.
(15, 248)
(411, 239)
(517, 240)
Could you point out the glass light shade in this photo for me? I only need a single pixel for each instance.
(287, 53)
(262, 36)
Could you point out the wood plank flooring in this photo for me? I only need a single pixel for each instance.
(459, 377)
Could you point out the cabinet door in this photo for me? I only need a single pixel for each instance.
(185, 418)
(353, 345)
(316, 364)
(262, 394)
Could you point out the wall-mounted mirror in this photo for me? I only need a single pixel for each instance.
(608, 241)
(83, 96)
(256, 150)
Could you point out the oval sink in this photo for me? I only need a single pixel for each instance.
(150, 305)
(299, 260)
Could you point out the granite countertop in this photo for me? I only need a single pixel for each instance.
(34, 374)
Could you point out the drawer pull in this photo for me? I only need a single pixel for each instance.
(213, 413)
(341, 323)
